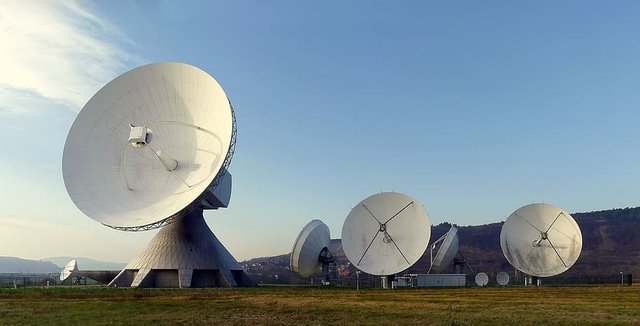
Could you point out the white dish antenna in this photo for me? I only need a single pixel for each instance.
(147, 145)
(541, 240)
(311, 251)
(310, 248)
(502, 278)
(71, 268)
(386, 233)
(448, 249)
(482, 279)
(151, 149)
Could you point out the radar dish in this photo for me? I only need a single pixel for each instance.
(307, 248)
(386, 233)
(69, 269)
(502, 278)
(147, 145)
(446, 252)
(541, 240)
(482, 279)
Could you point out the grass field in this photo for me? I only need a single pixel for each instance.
(321, 306)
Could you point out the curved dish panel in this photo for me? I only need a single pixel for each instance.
(482, 279)
(307, 247)
(147, 144)
(386, 233)
(502, 278)
(541, 240)
(447, 251)
(69, 269)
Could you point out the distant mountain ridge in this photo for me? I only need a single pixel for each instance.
(85, 263)
(27, 266)
(611, 243)
(53, 265)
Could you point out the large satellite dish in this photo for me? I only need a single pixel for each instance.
(151, 149)
(147, 145)
(71, 268)
(449, 243)
(541, 240)
(386, 233)
(311, 250)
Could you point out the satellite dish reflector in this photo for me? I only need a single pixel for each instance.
(147, 145)
(69, 269)
(386, 233)
(446, 252)
(151, 149)
(307, 249)
(502, 278)
(482, 279)
(541, 240)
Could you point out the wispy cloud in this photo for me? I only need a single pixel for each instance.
(56, 54)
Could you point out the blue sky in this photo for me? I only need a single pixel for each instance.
(473, 108)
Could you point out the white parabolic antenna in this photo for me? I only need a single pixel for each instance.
(446, 252)
(482, 279)
(541, 240)
(69, 269)
(147, 145)
(386, 233)
(307, 249)
(502, 278)
(151, 149)
(72, 269)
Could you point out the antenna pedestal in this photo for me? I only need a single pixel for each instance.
(326, 258)
(184, 254)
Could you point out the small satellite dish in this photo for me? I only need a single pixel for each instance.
(482, 279)
(71, 269)
(541, 240)
(68, 270)
(151, 149)
(446, 252)
(502, 278)
(311, 250)
(386, 233)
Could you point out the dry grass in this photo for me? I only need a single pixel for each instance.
(321, 306)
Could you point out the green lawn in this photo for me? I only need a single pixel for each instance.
(321, 306)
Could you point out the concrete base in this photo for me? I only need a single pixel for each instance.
(184, 254)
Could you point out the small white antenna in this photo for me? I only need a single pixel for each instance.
(502, 278)
(482, 279)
